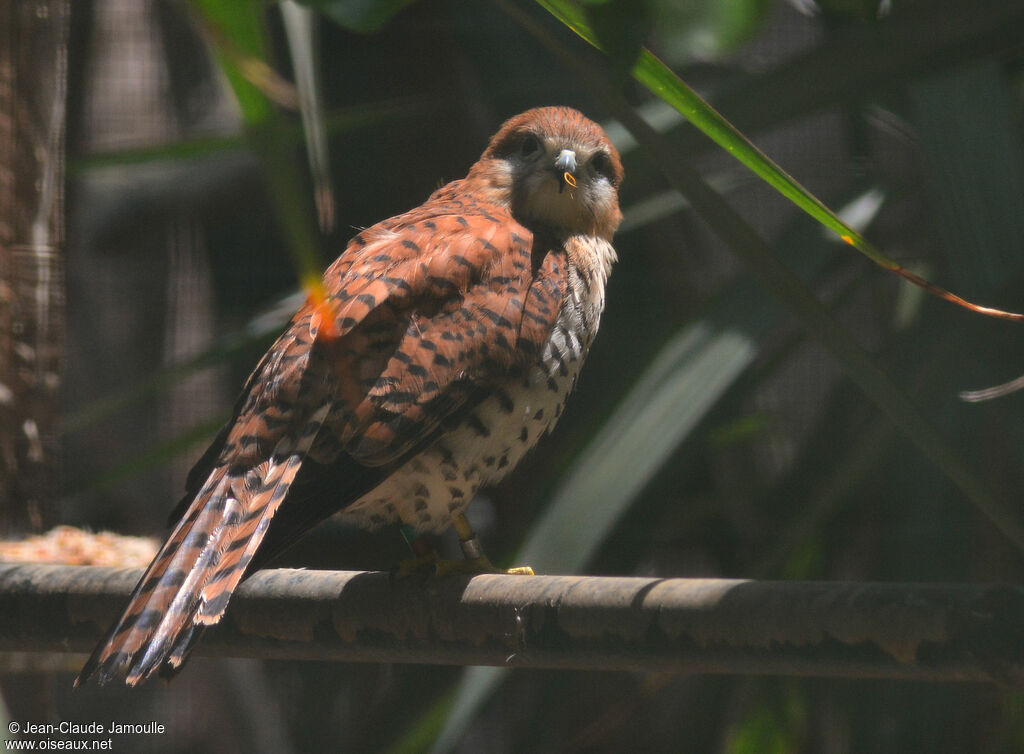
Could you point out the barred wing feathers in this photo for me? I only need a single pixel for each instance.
(432, 309)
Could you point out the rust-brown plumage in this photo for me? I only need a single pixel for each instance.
(456, 333)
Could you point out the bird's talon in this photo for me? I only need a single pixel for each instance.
(434, 566)
(482, 565)
(520, 571)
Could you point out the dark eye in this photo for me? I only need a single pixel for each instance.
(529, 145)
(602, 163)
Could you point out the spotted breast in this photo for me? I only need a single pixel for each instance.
(427, 490)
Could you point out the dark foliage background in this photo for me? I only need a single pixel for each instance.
(785, 470)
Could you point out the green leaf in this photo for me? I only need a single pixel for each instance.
(420, 737)
(776, 277)
(661, 81)
(657, 77)
(237, 31)
(760, 732)
(236, 27)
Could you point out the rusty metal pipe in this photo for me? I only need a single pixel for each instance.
(909, 631)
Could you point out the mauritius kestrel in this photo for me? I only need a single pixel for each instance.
(448, 342)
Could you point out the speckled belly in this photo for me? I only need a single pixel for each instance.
(440, 482)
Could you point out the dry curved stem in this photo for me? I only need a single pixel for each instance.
(990, 393)
(942, 293)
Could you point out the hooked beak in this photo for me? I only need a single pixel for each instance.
(565, 164)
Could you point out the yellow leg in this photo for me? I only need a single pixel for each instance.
(476, 560)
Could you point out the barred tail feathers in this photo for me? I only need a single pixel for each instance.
(190, 581)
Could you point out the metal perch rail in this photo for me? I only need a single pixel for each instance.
(937, 632)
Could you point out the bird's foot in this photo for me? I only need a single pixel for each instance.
(435, 566)
(478, 565)
(520, 571)
(426, 561)
(476, 561)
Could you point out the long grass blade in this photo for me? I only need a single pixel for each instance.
(664, 83)
(236, 31)
(300, 25)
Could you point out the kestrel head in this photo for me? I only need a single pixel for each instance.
(555, 168)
